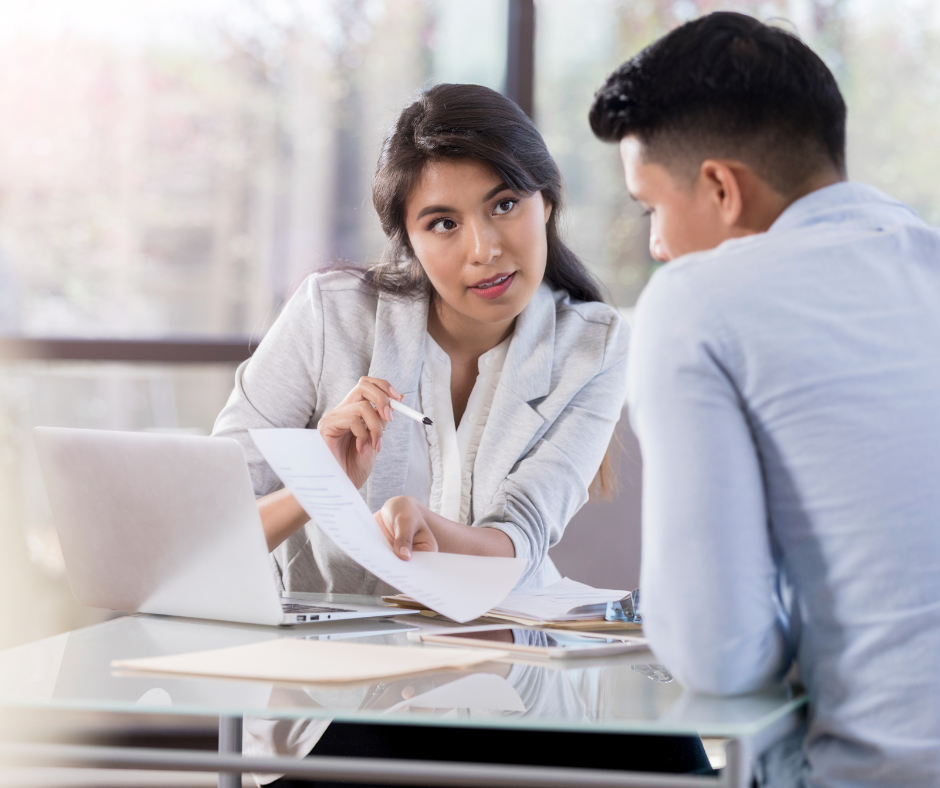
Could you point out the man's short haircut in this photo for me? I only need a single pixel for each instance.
(727, 86)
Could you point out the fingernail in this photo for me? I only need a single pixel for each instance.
(388, 413)
(379, 447)
(394, 391)
(405, 553)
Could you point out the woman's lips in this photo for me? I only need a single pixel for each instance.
(495, 287)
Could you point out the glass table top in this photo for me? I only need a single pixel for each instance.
(625, 693)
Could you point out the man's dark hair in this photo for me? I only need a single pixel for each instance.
(728, 86)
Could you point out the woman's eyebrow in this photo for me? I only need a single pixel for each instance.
(494, 191)
(433, 209)
(501, 186)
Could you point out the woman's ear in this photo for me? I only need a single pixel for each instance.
(548, 207)
(723, 190)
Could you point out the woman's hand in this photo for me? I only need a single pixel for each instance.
(406, 524)
(409, 526)
(353, 429)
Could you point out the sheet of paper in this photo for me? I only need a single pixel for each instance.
(461, 587)
(310, 661)
(558, 602)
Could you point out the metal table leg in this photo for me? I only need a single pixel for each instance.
(741, 754)
(738, 764)
(230, 743)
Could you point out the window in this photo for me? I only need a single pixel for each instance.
(173, 168)
(177, 167)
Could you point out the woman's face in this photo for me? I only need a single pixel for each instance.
(482, 245)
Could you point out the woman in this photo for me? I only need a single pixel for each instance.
(482, 319)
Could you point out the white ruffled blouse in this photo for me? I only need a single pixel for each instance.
(440, 471)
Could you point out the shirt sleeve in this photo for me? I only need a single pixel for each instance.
(551, 482)
(708, 576)
(277, 386)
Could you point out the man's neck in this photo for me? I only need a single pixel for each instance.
(818, 181)
(765, 205)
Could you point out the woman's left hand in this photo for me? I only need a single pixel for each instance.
(406, 524)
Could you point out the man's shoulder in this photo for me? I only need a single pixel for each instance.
(833, 224)
(823, 235)
(740, 270)
(697, 297)
(724, 261)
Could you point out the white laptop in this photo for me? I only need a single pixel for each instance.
(168, 524)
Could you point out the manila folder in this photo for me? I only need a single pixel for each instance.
(310, 661)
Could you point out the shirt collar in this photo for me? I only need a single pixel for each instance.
(494, 357)
(435, 354)
(837, 202)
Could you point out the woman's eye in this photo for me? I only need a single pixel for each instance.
(504, 206)
(442, 225)
(647, 212)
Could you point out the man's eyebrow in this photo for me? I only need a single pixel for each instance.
(500, 187)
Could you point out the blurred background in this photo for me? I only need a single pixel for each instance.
(171, 169)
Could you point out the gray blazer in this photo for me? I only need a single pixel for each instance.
(554, 411)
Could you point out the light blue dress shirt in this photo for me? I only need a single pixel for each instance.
(785, 389)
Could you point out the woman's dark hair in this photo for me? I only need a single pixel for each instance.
(728, 86)
(476, 123)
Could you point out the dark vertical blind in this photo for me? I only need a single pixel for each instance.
(520, 55)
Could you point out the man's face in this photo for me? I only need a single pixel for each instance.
(684, 215)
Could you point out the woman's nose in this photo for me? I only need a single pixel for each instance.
(484, 242)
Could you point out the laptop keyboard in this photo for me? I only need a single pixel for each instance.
(292, 607)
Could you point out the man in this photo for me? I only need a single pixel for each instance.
(785, 389)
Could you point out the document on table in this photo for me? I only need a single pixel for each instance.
(564, 600)
(310, 661)
(461, 587)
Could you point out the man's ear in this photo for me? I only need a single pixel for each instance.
(723, 189)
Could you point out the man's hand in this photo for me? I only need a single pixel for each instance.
(406, 524)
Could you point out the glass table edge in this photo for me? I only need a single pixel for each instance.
(651, 727)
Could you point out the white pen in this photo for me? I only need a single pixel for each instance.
(409, 412)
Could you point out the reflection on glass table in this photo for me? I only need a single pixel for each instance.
(613, 694)
(622, 693)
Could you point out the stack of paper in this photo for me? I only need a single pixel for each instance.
(567, 604)
(310, 661)
(461, 587)
(566, 600)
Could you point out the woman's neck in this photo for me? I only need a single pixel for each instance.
(462, 337)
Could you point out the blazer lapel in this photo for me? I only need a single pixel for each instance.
(397, 356)
(513, 421)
